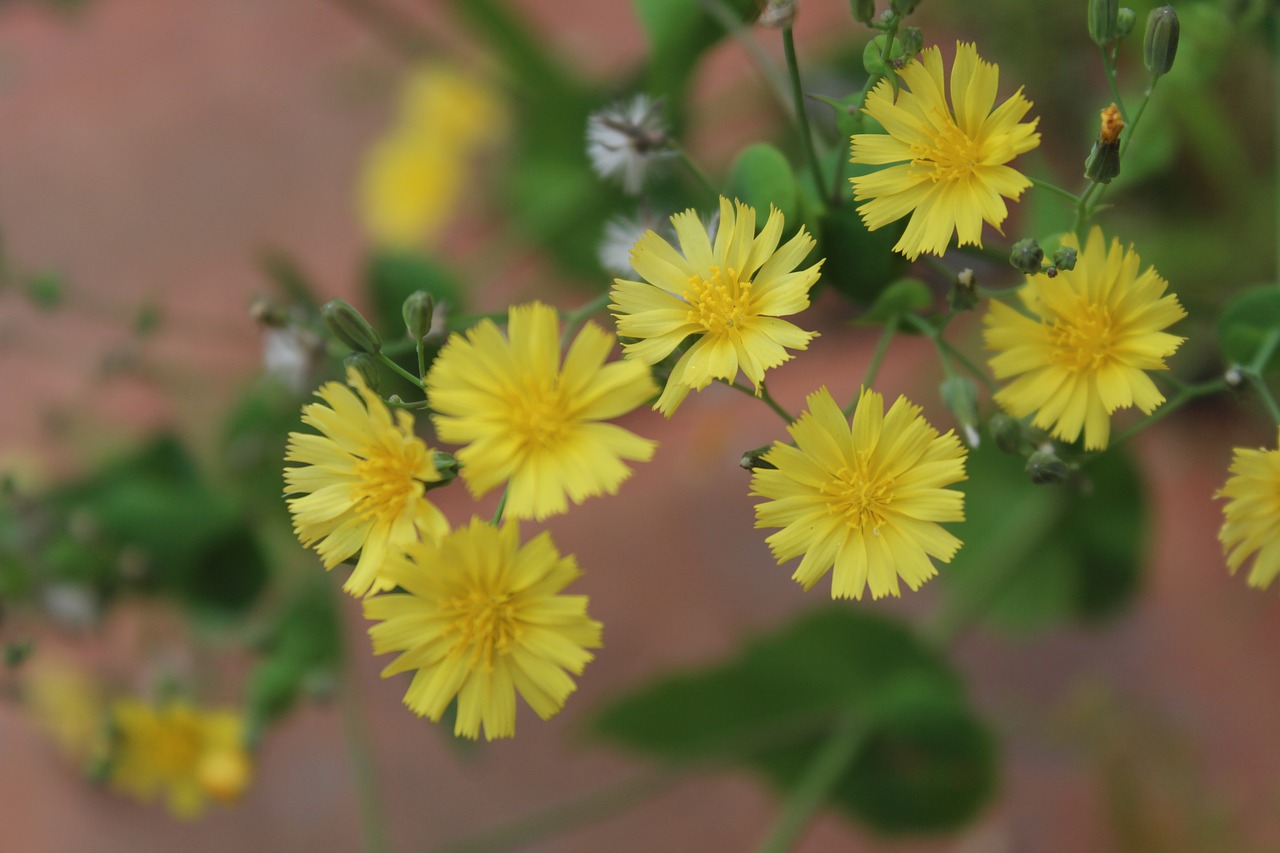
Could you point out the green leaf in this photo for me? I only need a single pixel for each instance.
(904, 296)
(772, 707)
(46, 290)
(679, 31)
(762, 177)
(860, 264)
(1247, 322)
(305, 646)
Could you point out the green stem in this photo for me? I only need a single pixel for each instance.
(1057, 190)
(395, 368)
(1142, 108)
(502, 506)
(762, 395)
(355, 727)
(802, 117)
(1255, 369)
(728, 18)
(422, 359)
(882, 346)
(697, 171)
(574, 319)
(1083, 211)
(1264, 393)
(1185, 395)
(1108, 62)
(965, 362)
(815, 786)
(397, 403)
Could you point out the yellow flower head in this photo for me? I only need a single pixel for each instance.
(1081, 350)
(362, 481)
(69, 706)
(727, 296)
(1252, 515)
(951, 173)
(481, 617)
(864, 497)
(186, 754)
(528, 419)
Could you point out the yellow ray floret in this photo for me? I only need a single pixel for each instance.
(950, 175)
(864, 499)
(1251, 517)
(1083, 348)
(724, 298)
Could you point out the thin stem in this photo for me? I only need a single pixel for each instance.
(396, 403)
(802, 117)
(1083, 211)
(697, 171)
(1056, 190)
(967, 364)
(1142, 108)
(574, 319)
(355, 728)
(395, 368)
(815, 786)
(1264, 393)
(1108, 62)
(726, 17)
(1255, 369)
(502, 506)
(761, 394)
(882, 346)
(1185, 395)
(422, 359)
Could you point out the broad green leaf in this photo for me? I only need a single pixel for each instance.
(860, 264)
(762, 177)
(1247, 322)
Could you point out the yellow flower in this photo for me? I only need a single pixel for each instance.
(363, 482)
(414, 178)
(69, 706)
(865, 498)
(1252, 514)
(727, 296)
(481, 617)
(175, 750)
(1090, 335)
(952, 170)
(528, 419)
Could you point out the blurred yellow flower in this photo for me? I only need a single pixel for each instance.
(1251, 523)
(954, 172)
(362, 482)
(414, 177)
(727, 296)
(528, 419)
(1082, 349)
(482, 618)
(177, 751)
(69, 706)
(865, 498)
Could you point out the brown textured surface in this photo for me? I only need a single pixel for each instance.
(148, 148)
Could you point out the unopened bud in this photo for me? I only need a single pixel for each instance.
(778, 14)
(1125, 20)
(963, 295)
(446, 466)
(1006, 432)
(418, 311)
(1103, 15)
(903, 7)
(1161, 42)
(346, 324)
(367, 367)
(1046, 469)
(753, 459)
(1027, 256)
(1064, 258)
(912, 40)
(1103, 163)
(863, 10)
(960, 396)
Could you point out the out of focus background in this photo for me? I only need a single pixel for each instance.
(172, 171)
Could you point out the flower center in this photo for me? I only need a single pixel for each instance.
(485, 624)
(539, 415)
(720, 302)
(176, 747)
(861, 499)
(1083, 342)
(950, 155)
(387, 480)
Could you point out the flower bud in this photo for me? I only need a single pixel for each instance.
(863, 10)
(912, 40)
(903, 7)
(1125, 20)
(1046, 469)
(367, 367)
(963, 295)
(418, 311)
(960, 396)
(753, 459)
(1006, 432)
(345, 323)
(778, 14)
(1103, 18)
(446, 466)
(1064, 258)
(1103, 163)
(1161, 42)
(1026, 256)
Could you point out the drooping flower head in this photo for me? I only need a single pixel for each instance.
(624, 140)
(183, 753)
(362, 482)
(1251, 525)
(1083, 348)
(530, 420)
(951, 158)
(727, 297)
(482, 617)
(865, 498)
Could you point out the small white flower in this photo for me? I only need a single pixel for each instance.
(620, 234)
(292, 354)
(622, 139)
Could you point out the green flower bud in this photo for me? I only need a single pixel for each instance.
(778, 14)
(1046, 469)
(345, 323)
(1161, 42)
(1064, 258)
(912, 39)
(753, 459)
(1125, 20)
(960, 396)
(367, 367)
(863, 10)
(418, 311)
(446, 466)
(1027, 256)
(1103, 18)
(1007, 433)
(1103, 163)
(963, 295)
(904, 7)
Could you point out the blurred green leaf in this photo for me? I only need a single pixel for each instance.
(904, 296)
(46, 290)
(678, 32)
(762, 177)
(305, 647)
(1247, 321)
(772, 707)
(860, 263)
